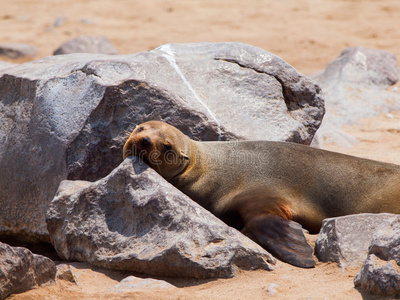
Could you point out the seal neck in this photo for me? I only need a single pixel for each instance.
(184, 160)
(187, 172)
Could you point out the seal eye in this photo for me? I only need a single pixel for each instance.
(167, 147)
(139, 129)
(146, 142)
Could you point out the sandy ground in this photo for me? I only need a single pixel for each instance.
(306, 33)
(325, 281)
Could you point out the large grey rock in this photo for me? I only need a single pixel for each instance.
(87, 44)
(356, 85)
(346, 239)
(290, 109)
(134, 220)
(4, 65)
(380, 273)
(20, 270)
(67, 116)
(17, 50)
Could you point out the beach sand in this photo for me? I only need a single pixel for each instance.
(308, 34)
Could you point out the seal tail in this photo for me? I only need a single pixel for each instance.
(282, 238)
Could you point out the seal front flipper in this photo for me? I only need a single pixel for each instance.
(282, 238)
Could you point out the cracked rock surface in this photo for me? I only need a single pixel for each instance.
(136, 221)
(68, 116)
(380, 273)
(346, 239)
(21, 270)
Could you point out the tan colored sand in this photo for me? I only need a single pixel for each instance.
(306, 33)
(379, 138)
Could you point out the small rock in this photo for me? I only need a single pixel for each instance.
(135, 284)
(87, 44)
(17, 50)
(380, 273)
(346, 239)
(355, 86)
(87, 21)
(271, 289)
(64, 272)
(385, 242)
(21, 270)
(389, 116)
(59, 21)
(378, 276)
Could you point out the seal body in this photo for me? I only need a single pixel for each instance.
(269, 190)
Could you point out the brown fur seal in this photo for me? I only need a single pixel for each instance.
(267, 189)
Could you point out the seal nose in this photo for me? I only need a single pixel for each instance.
(146, 142)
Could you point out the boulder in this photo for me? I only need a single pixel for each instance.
(378, 276)
(68, 116)
(356, 85)
(346, 239)
(136, 221)
(4, 65)
(17, 50)
(380, 273)
(20, 270)
(133, 284)
(87, 44)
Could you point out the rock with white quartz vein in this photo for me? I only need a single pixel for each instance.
(68, 116)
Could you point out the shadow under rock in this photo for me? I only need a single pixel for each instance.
(42, 248)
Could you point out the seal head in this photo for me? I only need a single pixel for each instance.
(161, 146)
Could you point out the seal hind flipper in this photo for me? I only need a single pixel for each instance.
(282, 238)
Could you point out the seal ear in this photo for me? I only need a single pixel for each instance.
(282, 238)
(184, 156)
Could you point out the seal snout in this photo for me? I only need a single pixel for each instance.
(135, 145)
